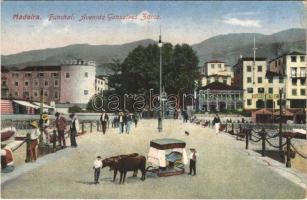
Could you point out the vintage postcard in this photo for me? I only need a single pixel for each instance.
(153, 100)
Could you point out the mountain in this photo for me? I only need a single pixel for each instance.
(101, 54)
(227, 48)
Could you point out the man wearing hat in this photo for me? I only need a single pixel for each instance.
(61, 124)
(104, 119)
(74, 128)
(193, 155)
(46, 123)
(35, 133)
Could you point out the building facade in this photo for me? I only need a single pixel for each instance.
(260, 87)
(73, 82)
(215, 71)
(292, 66)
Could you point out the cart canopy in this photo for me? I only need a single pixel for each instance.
(167, 143)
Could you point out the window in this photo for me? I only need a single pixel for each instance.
(249, 79)
(26, 83)
(303, 72)
(294, 81)
(225, 81)
(35, 82)
(259, 79)
(28, 74)
(55, 74)
(293, 58)
(281, 80)
(56, 95)
(293, 71)
(249, 102)
(208, 81)
(26, 94)
(259, 68)
(41, 74)
(86, 74)
(212, 66)
(46, 83)
(4, 83)
(16, 93)
(303, 93)
(56, 83)
(279, 62)
(35, 93)
(249, 68)
(302, 58)
(303, 81)
(16, 83)
(220, 66)
(261, 90)
(270, 90)
(216, 79)
(46, 93)
(15, 75)
(270, 80)
(249, 90)
(294, 92)
(67, 75)
(85, 92)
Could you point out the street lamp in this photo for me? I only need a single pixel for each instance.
(160, 97)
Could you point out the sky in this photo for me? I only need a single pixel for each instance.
(181, 22)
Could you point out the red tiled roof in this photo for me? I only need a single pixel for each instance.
(42, 68)
(218, 86)
(215, 61)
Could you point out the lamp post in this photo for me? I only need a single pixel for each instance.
(160, 87)
(280, 120)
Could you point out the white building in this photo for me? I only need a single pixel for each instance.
(78, 81)
(215, 71)
(293, 66)
(101, 84)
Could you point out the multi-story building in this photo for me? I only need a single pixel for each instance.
(260, 87)
(73, 82)
(293, 66)
(101, 84)
(215, 71)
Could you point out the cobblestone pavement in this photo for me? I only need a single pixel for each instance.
(223, 171)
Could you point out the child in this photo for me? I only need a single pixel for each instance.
(96, 167)
(192, 156)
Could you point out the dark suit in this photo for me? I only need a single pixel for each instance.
(104, 122)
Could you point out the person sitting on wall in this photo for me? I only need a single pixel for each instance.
(35, 133)
(46, 123)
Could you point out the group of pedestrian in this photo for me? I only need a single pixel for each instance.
(60, 127)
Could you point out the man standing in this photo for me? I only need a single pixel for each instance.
(104, 119)
(74, 128)
(216, 123)
(121, 122)
(61, 124)
(192, 156)
(97, 165)
(34, 140)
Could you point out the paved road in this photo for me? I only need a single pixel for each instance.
(223, 171)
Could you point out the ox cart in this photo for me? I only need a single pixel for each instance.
(167, 157)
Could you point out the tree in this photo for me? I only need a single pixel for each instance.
(139, 72)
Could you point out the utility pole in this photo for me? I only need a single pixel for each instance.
(160, 98)
(280, 122)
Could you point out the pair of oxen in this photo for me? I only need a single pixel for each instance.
(124, 163)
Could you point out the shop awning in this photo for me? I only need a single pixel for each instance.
(44, 105)
(25, 103)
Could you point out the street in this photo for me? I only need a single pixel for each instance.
(223, 171)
